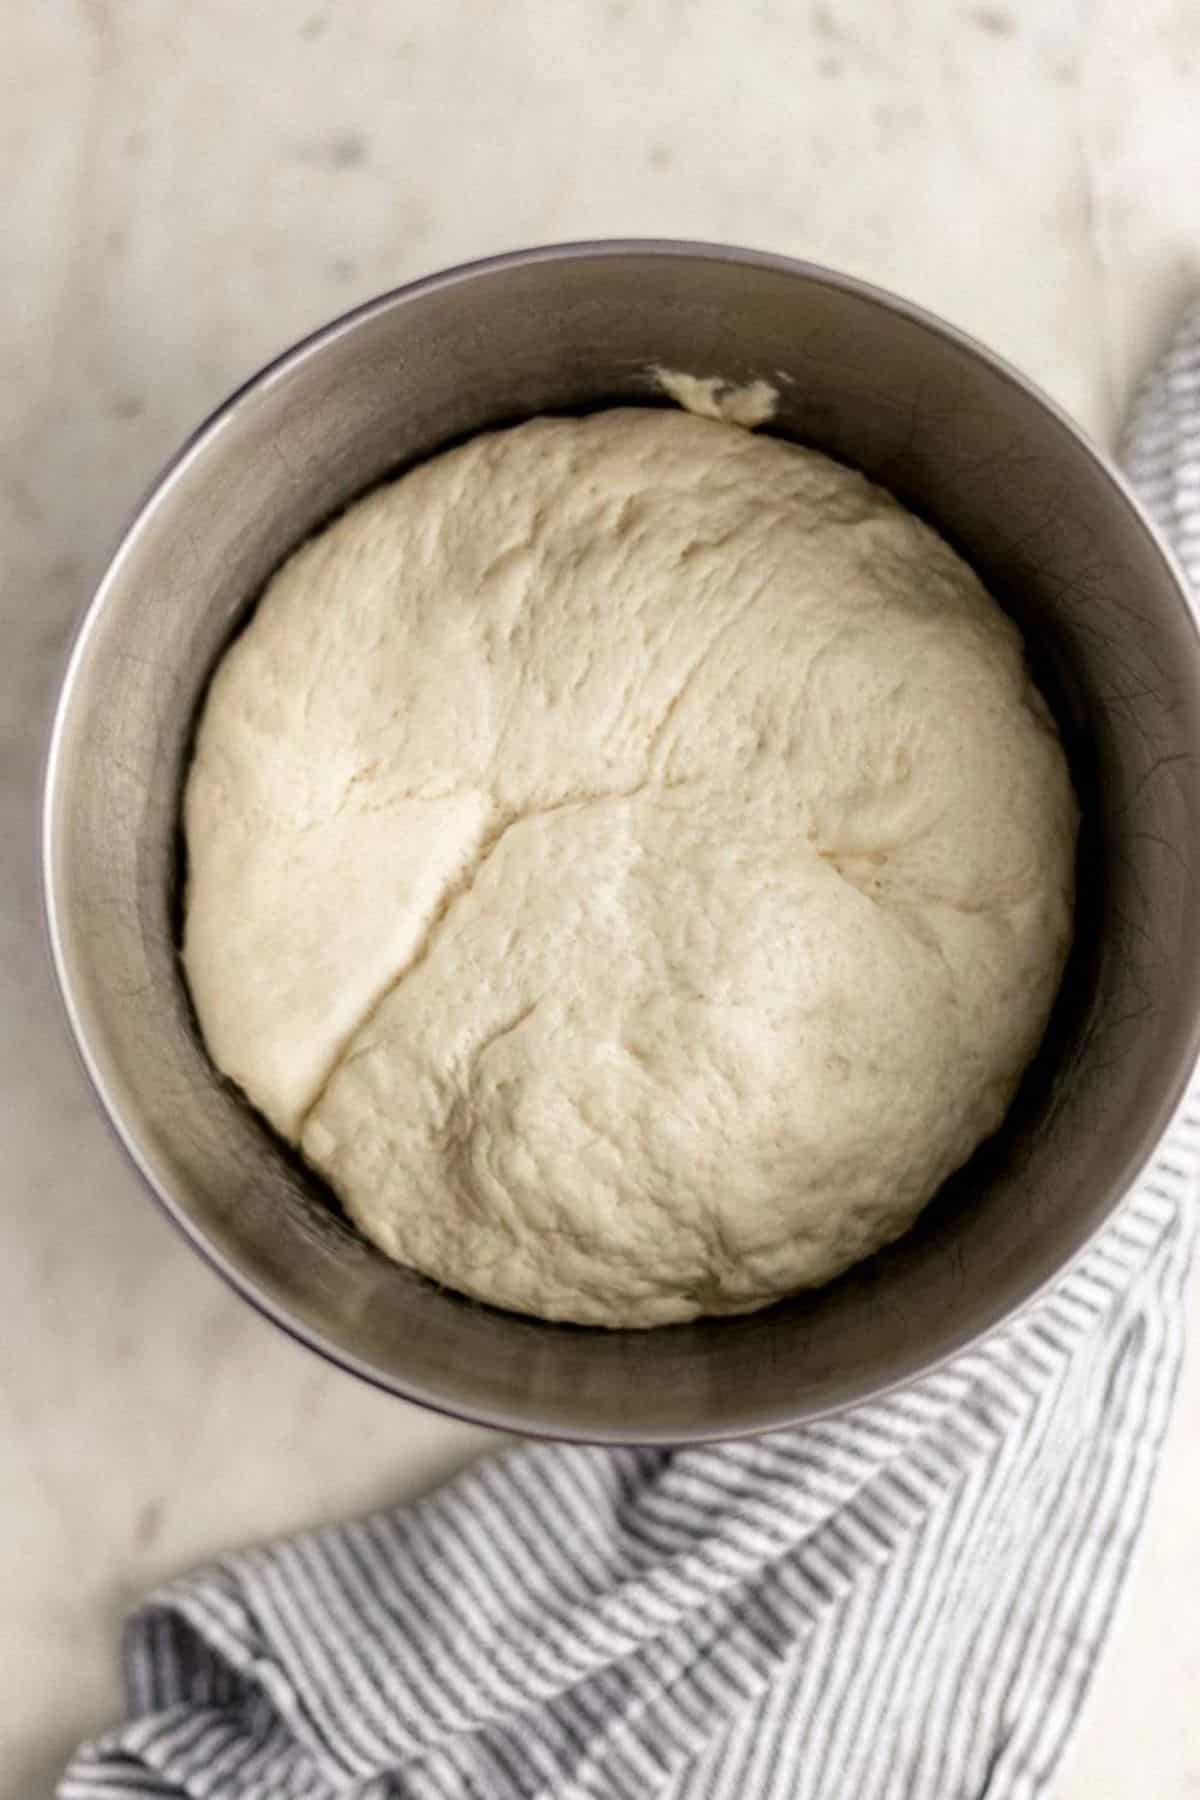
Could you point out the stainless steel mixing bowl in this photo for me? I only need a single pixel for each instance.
(958, 436)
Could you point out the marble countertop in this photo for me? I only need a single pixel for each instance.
(189, 188)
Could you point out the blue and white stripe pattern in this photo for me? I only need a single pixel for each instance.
(904, 1601)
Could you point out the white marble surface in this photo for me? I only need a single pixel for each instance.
(186, 188)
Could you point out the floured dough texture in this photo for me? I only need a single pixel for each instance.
(630, 859)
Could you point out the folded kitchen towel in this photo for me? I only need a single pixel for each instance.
(905, 1600)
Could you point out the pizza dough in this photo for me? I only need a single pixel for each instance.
(629, 858)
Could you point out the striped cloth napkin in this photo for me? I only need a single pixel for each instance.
(906, 1600)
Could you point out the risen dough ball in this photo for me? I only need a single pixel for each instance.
(630, 859)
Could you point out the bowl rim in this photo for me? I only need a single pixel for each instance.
(194, 446)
